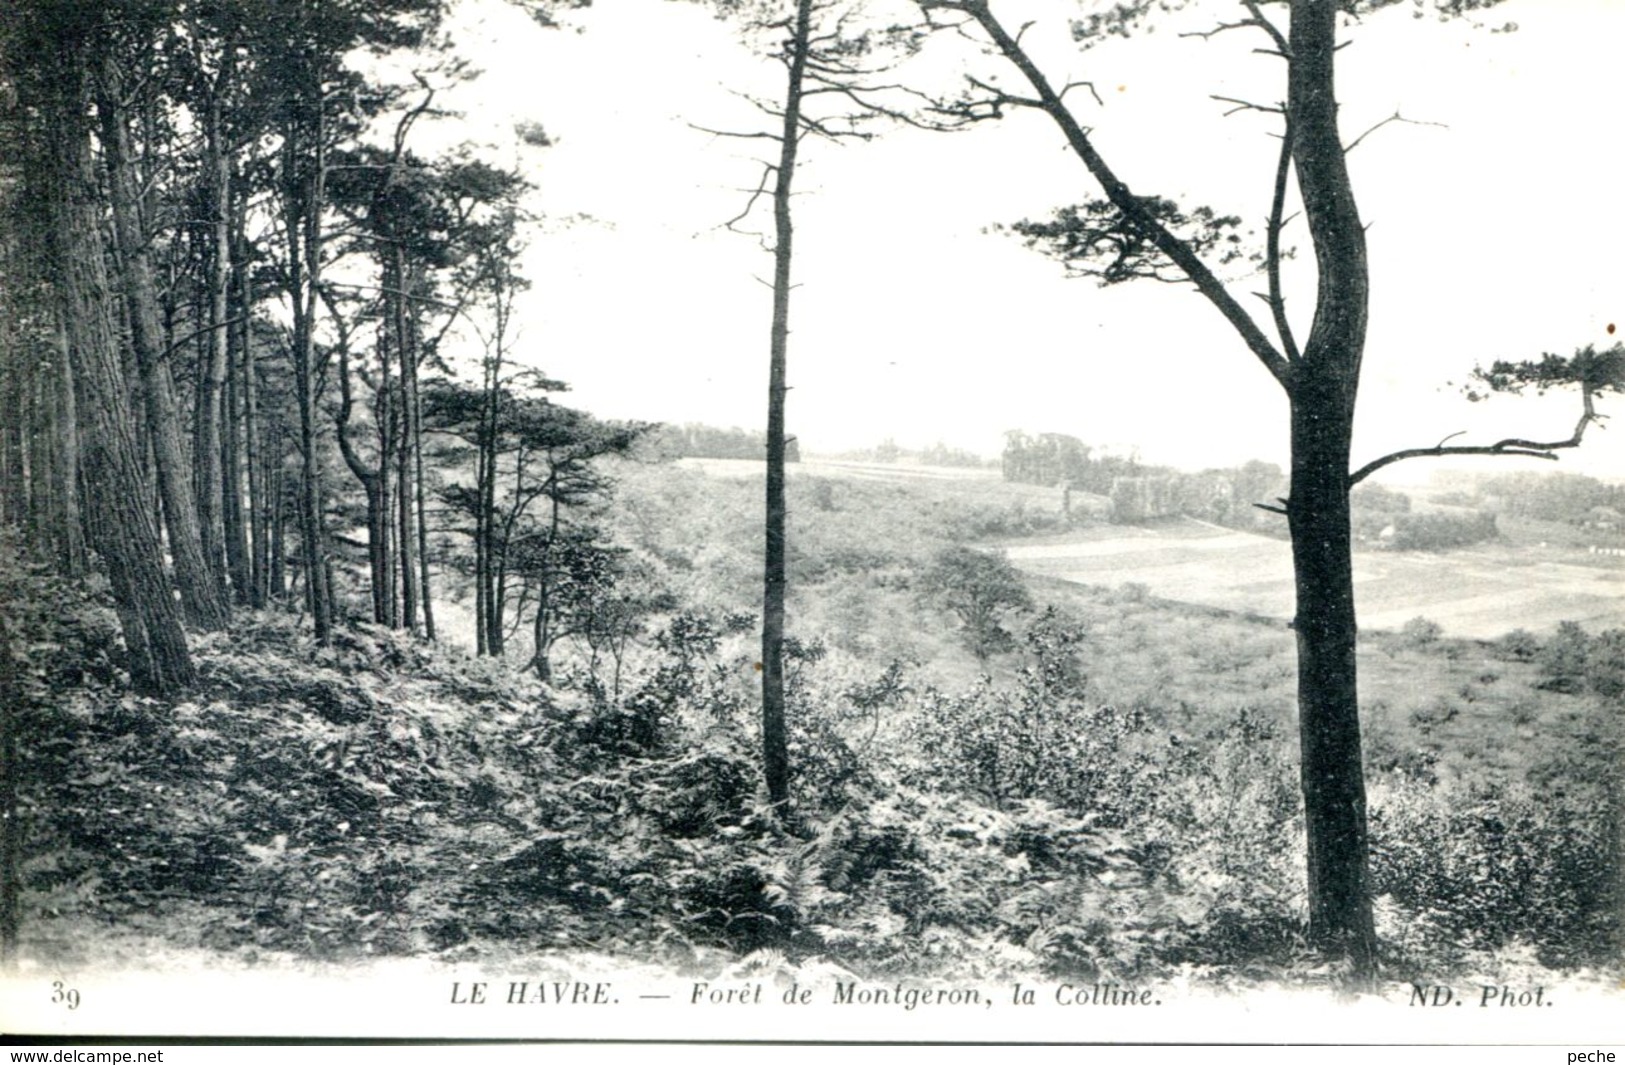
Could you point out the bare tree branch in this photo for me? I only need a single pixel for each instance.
(1069, 86)
(768, 170)
(1272, 250)
(1395, 117)
(1248, 105)
(1117, 191)
(1535, 449)
(732, 133)
(1282, 47)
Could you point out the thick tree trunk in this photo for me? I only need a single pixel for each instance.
(11, 829)
(65, 474)
(199, 582)
(13, 478)
(1321, 383)
(1333, 779)
(123, 526)
(1323, 388)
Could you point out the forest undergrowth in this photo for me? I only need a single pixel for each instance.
(380, 797)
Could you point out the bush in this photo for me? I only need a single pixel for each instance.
(1564, 660)
(1440, 530)
(1372, 508)
(982, 590)
(1420, 632)
(1481, 872)
(1605, 664)
(1519, 645)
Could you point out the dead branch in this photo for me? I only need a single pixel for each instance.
(768, 171)
(758, 135)
(1534, 449)
(1395, 117)
(1247, 105)
(1069, 86)
(1272, 250)
(1133, 207)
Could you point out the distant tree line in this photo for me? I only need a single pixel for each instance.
(1142, 493)
(938, 454)
(693, 440)
(1566, 497)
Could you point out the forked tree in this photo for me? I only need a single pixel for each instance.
(1124, 235)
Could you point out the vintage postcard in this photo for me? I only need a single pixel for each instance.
(814, 521)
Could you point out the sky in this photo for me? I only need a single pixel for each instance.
(1493, 217)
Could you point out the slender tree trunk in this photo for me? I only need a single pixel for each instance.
(303, 210)
(212, 369)
(542, 623)
(387, 418)
(374, 488)
(775, 741)
(199, 584)
(405, 503)
(489, 551)
(224, 345)
(248, 376)
(276, 498)
(231, 463)
(412, 401)
(1323, 389)
(498, 601)
(482, 535)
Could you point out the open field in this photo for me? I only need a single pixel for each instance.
(864, 471)
(1479, 592)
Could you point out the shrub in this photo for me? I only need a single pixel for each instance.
(1420, 632)
(1439, 530)
(1439, 710)
(1606, 664)
(1373, 508)
(982, 590)
(1480, 872)
(1564, 659)
(1519, 645)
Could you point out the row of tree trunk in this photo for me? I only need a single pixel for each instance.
(171, 186)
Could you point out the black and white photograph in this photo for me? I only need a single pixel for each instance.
(813, 521)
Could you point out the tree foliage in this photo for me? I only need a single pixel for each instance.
(981, 589)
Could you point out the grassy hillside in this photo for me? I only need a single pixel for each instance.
(1113, 796)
